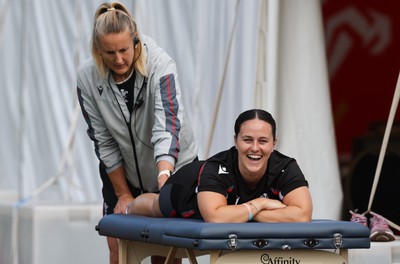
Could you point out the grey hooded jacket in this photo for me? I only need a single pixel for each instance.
(157, 124)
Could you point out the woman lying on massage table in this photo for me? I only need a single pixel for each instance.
(250, 181)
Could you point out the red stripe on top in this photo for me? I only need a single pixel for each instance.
(170, 104)
(173, 124)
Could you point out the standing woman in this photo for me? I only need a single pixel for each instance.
(131, 100)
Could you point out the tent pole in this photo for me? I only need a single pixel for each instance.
(388, 129)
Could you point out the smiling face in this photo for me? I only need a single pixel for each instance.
(117, 51)
(255, 143)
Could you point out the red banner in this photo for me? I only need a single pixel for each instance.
(363, 50)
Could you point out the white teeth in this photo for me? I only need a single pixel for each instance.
(254, 156)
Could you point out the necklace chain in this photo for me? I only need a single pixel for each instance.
(124, 80)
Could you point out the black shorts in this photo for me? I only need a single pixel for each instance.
(178, 196)
(109, 198)
(166, 205)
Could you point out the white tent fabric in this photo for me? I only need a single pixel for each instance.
(220, 47)
(300, 98)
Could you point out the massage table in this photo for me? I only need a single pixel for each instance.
(319, 241)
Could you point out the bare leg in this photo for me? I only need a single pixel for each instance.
(113, 247)
(146, 204)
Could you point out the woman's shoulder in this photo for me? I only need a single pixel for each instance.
(152, 48)
(224, 159)
(279, 155)
(87, 66)
(156, 56)
(148, 41)
(224, 155)
(88, 75)
(280, 161)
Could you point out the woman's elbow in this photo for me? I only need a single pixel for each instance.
(210, 218)
(304, 218)
(306, 215)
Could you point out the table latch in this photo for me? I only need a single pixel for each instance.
(337, 240)
(232, 242)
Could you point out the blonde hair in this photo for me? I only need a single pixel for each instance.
(115, 18)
